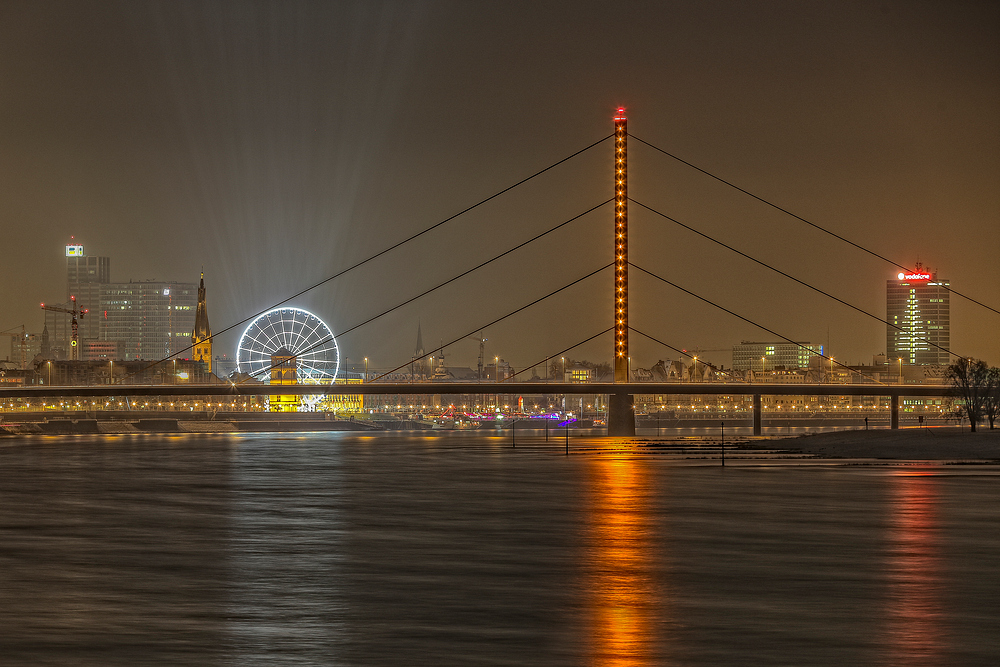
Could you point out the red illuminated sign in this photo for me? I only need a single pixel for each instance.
(913, 276)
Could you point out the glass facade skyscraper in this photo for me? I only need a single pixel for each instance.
(152, 319)
(917, 308)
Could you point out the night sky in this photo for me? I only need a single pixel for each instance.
(275, 143)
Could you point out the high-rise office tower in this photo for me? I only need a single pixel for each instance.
(918, 313)
(152, 319)
(85, 276)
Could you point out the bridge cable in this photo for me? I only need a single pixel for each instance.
(380, 253)
(561, 352)
(790, 277)
(801, 219)
(688, 354)
(450, 280)
(500, 319)
(760, 326)
(431, 352)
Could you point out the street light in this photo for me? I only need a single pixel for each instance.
(901, 370)
(366, 369)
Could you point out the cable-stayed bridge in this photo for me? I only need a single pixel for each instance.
(620, 392)
(623, 392)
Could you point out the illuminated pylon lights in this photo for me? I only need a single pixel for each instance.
(621, 248)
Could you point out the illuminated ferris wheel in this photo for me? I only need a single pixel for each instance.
(317, 357)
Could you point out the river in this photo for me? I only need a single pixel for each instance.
(458, 549)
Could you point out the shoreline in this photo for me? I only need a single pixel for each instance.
(952, 443)
(928, 444)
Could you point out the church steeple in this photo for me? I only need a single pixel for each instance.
(201, 337)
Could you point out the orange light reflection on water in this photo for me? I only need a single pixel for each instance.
(621, 587)
(914, 634)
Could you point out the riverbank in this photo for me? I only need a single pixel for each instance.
(932, 444)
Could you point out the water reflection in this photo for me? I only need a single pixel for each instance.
(914, 633)
(622, 587)
(285, 553)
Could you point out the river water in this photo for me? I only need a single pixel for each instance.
(457, 549)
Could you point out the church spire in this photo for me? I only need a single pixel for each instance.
(201, 337)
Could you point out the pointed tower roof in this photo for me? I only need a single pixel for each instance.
(419, 352)
(202, 329)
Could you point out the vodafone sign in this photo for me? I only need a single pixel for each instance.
(913, 276)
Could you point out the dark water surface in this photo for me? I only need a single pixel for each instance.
(348, 549)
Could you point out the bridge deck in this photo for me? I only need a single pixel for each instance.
(455, 388)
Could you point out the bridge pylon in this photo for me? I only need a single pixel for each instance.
(621, 415)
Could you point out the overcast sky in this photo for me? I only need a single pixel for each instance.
(275, 143)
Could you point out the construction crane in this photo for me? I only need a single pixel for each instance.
(74, 350)
(482, 349)
(22, 339)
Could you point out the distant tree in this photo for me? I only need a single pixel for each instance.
(991, 402)
(970, 380)
(602, 371)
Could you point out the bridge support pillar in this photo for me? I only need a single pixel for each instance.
(621, 415)
(894, 412)
(756, 414)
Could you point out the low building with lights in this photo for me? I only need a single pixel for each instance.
(752, 356)
(284, 371)
(94, 350)
(344, 404)
(102, 371)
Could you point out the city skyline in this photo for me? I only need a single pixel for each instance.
(249, 144)
(908, 297)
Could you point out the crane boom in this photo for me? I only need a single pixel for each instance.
(482, 349)
(74, 352)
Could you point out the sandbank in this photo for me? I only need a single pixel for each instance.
(932, 444)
